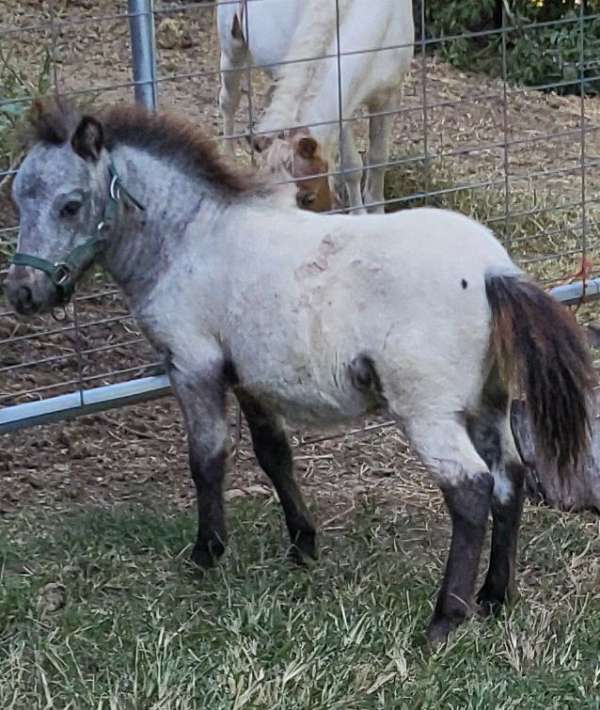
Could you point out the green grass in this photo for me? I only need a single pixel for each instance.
(139, 628)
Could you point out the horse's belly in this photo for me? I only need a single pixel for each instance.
(270, 25)
(306, 397)
(303, 410)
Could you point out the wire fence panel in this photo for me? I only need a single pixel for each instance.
(81, 49)
(523, 159)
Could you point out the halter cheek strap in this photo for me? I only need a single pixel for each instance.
(65, 274)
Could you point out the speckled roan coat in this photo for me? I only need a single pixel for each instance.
(315, 320)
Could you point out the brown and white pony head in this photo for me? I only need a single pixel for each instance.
(298, 155)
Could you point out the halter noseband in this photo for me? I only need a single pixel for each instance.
(65, 274)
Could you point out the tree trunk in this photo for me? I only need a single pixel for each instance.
(582, 490)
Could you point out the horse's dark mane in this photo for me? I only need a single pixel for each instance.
(54, 121)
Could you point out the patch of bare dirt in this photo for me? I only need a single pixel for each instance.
(140, 454)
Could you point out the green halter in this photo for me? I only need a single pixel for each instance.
(65, 274)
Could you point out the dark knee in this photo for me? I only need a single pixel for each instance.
(271, 448)
(208, 472)
(207, 469)
(469, 500)
(269, 439)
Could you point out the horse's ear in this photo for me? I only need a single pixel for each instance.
(307, 147)
(88, 139)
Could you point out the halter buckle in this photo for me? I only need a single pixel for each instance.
(113, 189)
(62, 273)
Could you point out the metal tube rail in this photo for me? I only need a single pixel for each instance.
(141, 28)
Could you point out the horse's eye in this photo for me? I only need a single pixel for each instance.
(307, 199)
(70, 208)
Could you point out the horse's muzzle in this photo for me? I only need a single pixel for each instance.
(30, 292)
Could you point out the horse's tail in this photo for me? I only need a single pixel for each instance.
(538, 344)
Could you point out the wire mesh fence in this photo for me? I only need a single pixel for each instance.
(522, 159)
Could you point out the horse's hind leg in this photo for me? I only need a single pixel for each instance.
(491, 433)
(466, 483)
(275, 458)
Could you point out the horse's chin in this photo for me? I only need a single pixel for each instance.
(35, 309)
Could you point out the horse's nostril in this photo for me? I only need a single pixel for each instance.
(23, 301)
(24, 296)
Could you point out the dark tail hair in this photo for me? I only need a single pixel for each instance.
(538, 343)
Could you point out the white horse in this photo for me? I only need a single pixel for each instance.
(316, 319)
(375, 51)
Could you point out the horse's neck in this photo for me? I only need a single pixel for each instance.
(145, 241)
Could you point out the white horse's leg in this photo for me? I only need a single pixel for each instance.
(380, 129)
(229, 96)
(465, 480)
(351, 161)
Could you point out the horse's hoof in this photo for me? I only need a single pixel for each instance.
(206, 555)
(303, 549)
(489, 603)
(298, 558)
(442, 625)
(438, 631)
(488, 607)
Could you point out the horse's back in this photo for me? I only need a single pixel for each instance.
(433, 243)
(266, 29)
(376, 41)
(424, 268)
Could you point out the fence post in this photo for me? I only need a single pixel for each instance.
(143, 51)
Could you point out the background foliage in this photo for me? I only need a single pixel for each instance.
(550, 42)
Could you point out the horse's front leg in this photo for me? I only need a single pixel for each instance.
(352, 170)
(275, 458)
(201, 395)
